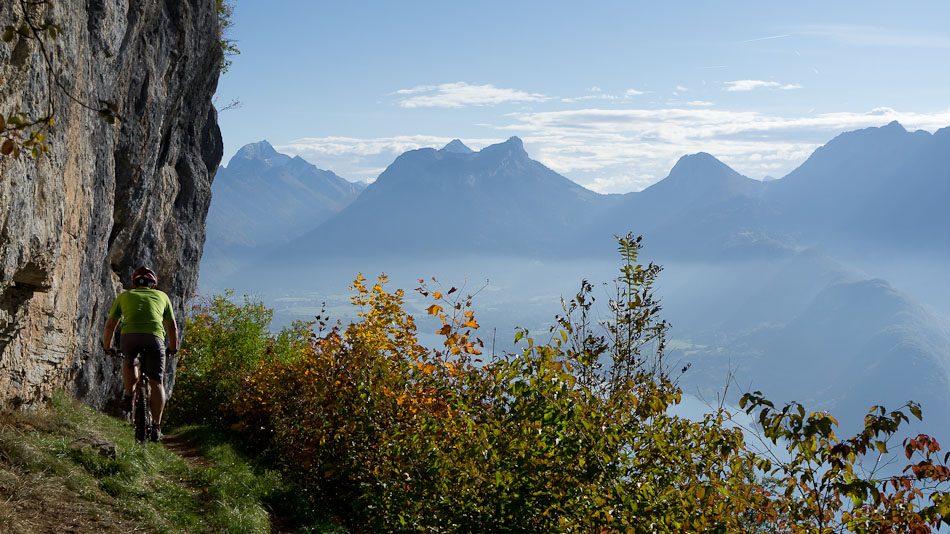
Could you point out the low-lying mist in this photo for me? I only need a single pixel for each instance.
(802, 327)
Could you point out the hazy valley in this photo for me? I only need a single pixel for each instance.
(823, 286)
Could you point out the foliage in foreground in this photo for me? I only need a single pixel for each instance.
(574, 434)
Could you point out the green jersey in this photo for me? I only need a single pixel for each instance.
(143, 310)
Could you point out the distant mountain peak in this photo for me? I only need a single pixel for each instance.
(702, 176)
(512, 146)
(894, 125)
(259, 150)
(457, 147)
(514, 142)
(886, 134)
(700, 162)
(262, 152)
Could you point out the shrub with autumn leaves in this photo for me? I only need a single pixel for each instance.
(571, 435)
(226, 341)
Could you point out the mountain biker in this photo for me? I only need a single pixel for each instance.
(147, 318)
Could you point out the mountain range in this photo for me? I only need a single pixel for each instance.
(457, 201)
(771, 280)
(263, 197)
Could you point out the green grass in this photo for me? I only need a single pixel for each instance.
(219, 490)
(264, 485)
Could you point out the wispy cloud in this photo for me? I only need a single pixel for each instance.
(857, 35)
(461, 94)
(671, 124)
(681, 88)
(765, 38)
(699, 103)
(750, 85)
(596, 93)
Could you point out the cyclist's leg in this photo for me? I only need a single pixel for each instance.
(130, 369)
(153, 365)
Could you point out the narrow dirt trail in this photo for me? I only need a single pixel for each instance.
(184, 448)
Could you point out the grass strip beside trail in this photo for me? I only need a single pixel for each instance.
(48, 484)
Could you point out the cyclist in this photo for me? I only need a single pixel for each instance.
(147, 319)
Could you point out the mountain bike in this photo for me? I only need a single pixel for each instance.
(141, 416)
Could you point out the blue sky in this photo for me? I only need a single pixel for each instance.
(609, 94)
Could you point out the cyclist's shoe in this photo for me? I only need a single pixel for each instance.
(156, 434)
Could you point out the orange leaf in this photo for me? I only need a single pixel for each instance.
(437, 295)
(435, 309)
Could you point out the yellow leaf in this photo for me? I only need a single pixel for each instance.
(435, 309)
(437, 295)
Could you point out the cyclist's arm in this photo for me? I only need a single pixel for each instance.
(110, 331)
(171, 332)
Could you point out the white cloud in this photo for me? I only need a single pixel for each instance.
(416, 89)
(749, 85)
(681, 88)
(615, 183)
(598, 93)
(461, 94)
(704, 103)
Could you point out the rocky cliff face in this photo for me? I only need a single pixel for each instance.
(77, 221)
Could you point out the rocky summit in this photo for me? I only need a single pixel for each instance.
(76, 221)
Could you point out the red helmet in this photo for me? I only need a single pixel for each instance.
(143, 276)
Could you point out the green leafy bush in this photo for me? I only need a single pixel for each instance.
(225, 341)
(571, 435)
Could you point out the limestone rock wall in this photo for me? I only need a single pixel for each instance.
(77, 221)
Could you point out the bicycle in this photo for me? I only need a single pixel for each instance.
(141, 415)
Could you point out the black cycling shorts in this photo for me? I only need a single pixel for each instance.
(149, 350)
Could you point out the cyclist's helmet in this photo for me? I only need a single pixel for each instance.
(143, 276)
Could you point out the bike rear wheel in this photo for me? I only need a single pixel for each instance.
(142, 417)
